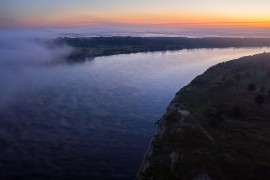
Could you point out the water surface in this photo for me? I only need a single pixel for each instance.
(92, 120)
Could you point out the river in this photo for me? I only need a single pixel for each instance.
(94, 120)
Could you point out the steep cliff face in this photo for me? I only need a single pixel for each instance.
(217, 127)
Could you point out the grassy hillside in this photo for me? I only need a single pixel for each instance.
(216, 127)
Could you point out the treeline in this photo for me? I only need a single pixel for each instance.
(165, 42)
(97, 46)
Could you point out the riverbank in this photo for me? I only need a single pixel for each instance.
(217, 127)
(91, 47)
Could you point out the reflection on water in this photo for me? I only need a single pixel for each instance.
(93, 120)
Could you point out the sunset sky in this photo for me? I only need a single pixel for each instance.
(188, 13)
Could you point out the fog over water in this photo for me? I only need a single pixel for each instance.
(90, 120)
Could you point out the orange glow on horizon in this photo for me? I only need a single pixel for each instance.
(171, 13)
(155, 19)
(180, 24)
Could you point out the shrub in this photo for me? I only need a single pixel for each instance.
(251, 87)
(237, 77)
(214, 87)
(214, 113)
(212, 121)
(268, 73)
(259, 99)
(199, 80)
(229, 82)
(237, 111)
(173, 116)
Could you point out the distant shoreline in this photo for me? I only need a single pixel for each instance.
(91, 47)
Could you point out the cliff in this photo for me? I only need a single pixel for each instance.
(217, 127)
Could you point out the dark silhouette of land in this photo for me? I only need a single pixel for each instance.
(86, 47)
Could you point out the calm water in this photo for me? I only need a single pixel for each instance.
(92, 120)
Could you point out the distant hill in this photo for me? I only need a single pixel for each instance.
(90, 47)
(217, 127)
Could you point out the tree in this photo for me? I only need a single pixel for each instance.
(268, 73)
(237, 111)
(251, 87)
(237, 77)
(259, 99)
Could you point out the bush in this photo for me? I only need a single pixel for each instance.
(173, 116)
(214, 114)
(237, 77)
(251, 87)
(214, 87)
(199, 80)
(229, 82)
(237, 111)
(268, 73)
(212, 121)
(259, 99)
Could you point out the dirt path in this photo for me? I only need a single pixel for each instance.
(214, 144)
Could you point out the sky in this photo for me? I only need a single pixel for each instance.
(187, 13)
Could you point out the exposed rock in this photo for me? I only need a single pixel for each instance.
(173, 157)
(183, 112)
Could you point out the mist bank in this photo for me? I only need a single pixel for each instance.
(23, 53)
(91, 47)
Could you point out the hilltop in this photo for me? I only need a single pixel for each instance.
(216, 127)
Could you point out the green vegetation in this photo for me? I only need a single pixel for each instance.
(227, 134)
